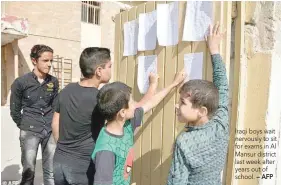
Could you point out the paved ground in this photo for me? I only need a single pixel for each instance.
(10, 152)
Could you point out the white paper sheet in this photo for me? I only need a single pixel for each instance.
(147, 31)
(130, 38)
(193, 65)
(168, 24)
(198, 17)
(146, 65)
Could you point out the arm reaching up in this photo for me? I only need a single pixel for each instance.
(153, 83)
(219, 75)
(158, 97)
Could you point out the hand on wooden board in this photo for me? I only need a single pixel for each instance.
(153, 79)
(179, 78)
(214, 39)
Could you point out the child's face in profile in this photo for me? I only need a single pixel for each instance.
(185, 112)
(129, 112)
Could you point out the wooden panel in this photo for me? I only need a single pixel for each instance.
(146, 131)
(169, 111)
(225, 51)
(155, 138)
(156, 125)
(216, 18)
(131, 59)
(238, 92)
(227, 41)
(183, 48)
(122, 73)
(117, 42)
(136, 175)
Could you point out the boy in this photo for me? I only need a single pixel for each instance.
(76, 124)
(113, 153)
(35, 94)
(200, 152)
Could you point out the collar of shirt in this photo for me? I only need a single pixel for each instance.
(48, 77)
(191, 127)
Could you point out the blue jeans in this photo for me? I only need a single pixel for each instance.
(72, 171)
(29, 142)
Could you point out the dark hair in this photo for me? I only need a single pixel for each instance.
(38, 49)
(112, 98)
(91, 58)
(202, 93)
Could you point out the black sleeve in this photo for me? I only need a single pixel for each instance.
(97, 122)
(56, 95)
(137, 119)
(15, 101)
(104, 167)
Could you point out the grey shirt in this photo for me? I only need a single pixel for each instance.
(200, 152)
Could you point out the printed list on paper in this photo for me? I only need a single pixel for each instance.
(146, 65)
(147, 31)
(198, 18)
(193, 65)
(130, 38)
(168, 24)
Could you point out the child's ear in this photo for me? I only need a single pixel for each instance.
(98, 72)
(203, 111)
(122, 113)
(33, 61)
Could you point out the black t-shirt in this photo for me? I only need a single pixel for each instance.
(77, 121)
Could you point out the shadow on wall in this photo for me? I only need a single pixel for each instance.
(149, 170)
(23, 68)
(12, 174)
(23, 65)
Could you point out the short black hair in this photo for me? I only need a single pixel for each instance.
(112, 98)
(91, 58)
(202, 93)
(38, 49)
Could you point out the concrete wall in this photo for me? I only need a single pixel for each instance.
(90, 35)
(10, 151)
(8, 73)
(56, 24)
(108, 12)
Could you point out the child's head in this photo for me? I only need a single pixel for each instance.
(115, 102)
(96, 62)
(198, 101)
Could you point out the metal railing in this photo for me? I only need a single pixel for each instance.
(90, 12)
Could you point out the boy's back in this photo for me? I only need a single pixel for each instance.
(76, 105)
(114, 153)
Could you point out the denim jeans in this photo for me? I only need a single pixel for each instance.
(29, 142)
(72, 171)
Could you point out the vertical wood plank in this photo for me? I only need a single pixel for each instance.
(183, 48)
(226, 50)
(123, 62)
(169, 111)
(216, 18)
(156, 125)
(239, 89)
(146, 131)
(117, 42)
(131, 65)
(131, 59)
(226, 44)
(136, 174)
